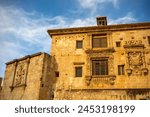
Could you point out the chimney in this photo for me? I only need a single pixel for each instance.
(101, 21)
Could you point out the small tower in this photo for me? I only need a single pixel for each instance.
(101, 21)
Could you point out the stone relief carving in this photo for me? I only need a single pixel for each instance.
(135, 57)
(136, 63)
(133, 42)
(20, 75)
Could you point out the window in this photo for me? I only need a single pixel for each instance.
(78, 71)
(120, 69)
(78, 44)
(99, 41)
(148, 40)
(118, 44)
(100, 67)
(56, 73)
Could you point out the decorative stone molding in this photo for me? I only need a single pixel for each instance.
(20, 73)
(107, 79)
(100, 50)
(137, 91)
(135, 53)
(78, 63)
(145, 71)
(129, 71)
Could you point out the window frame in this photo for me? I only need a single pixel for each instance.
(103, 68)
(118, 44)
(102, 41)
(79, 42)
(77, 68)
(121, 69)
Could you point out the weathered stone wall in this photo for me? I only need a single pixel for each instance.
(102, 94)
(134, 54)
(25, 78)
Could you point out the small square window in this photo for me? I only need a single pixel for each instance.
(78, 71)
(118, 44)
(79, 44)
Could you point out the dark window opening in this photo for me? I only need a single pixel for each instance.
(100, 67)
(79, 44)
(118, 44)
(148, 40)
(42, 85)
(78, 71)
(120, 69)
(56, 73)
(99, 42)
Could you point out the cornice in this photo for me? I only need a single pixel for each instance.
(117, 27)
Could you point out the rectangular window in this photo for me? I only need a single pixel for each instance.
(100, 67)
(148, 40)
(56, 74)
(120, 69)
(79, 44)
(78, 71)
(118, 44)
(99, 41)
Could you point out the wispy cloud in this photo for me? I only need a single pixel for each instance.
(94, 4)
(129, 18)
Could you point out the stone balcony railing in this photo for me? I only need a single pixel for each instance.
(107, 79)
(100, 50)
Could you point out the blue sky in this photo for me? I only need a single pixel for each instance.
(24, 23)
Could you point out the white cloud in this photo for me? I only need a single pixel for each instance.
(129, 18)
(93, 4)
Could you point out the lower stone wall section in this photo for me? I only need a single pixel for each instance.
(101, 94)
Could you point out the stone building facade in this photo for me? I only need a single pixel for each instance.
(28, 78)
(102, 62)
(97, 62)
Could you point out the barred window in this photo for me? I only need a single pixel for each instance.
(100, 67)
(78, 71)
(120, 69)
(79, 44)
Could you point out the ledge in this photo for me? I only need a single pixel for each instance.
(12, 87)
(100, 50)
(109, 79)
(25, 57)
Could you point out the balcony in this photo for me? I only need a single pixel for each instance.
(100, 50)
(106, 79)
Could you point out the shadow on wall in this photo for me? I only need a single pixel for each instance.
(54, 75)
(1, 80)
